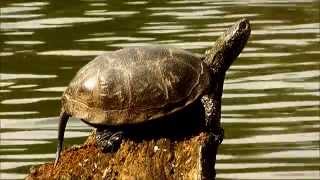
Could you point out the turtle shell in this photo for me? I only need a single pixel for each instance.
(134, 85)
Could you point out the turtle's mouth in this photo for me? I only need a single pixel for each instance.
(241, 29)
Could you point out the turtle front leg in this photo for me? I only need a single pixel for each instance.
(108, 140)
(212, 107)
(209, 149)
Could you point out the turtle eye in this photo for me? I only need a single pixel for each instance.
(243, 25)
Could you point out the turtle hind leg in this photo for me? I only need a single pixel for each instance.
(108, 140)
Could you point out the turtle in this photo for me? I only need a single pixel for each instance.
(142, 84)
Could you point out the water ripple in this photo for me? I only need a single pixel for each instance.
(20, 136)
(271, 105)
(286, 174)
(5, 76)
(276, 138)
(49, 23)
(24, 42)
(28, 100)
(110, 13)
(71, 53)
(275, 120)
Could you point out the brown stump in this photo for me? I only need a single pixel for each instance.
(149, 159)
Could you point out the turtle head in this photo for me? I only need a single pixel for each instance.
(228, 46)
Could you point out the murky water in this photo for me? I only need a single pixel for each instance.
(271, 98)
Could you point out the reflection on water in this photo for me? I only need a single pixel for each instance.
(5, 76)
(71, 53)
(271, 98)
(273, 175)
(28, 100)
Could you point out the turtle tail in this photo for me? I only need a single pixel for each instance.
(62, 126)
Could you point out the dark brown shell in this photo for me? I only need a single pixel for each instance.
(134, 85)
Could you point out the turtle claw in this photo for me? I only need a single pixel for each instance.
(218, 135)
(109, 141)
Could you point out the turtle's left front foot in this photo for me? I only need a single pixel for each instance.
(218, 135)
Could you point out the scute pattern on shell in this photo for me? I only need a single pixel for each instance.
(134, 85)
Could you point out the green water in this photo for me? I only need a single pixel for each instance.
(271, 98)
